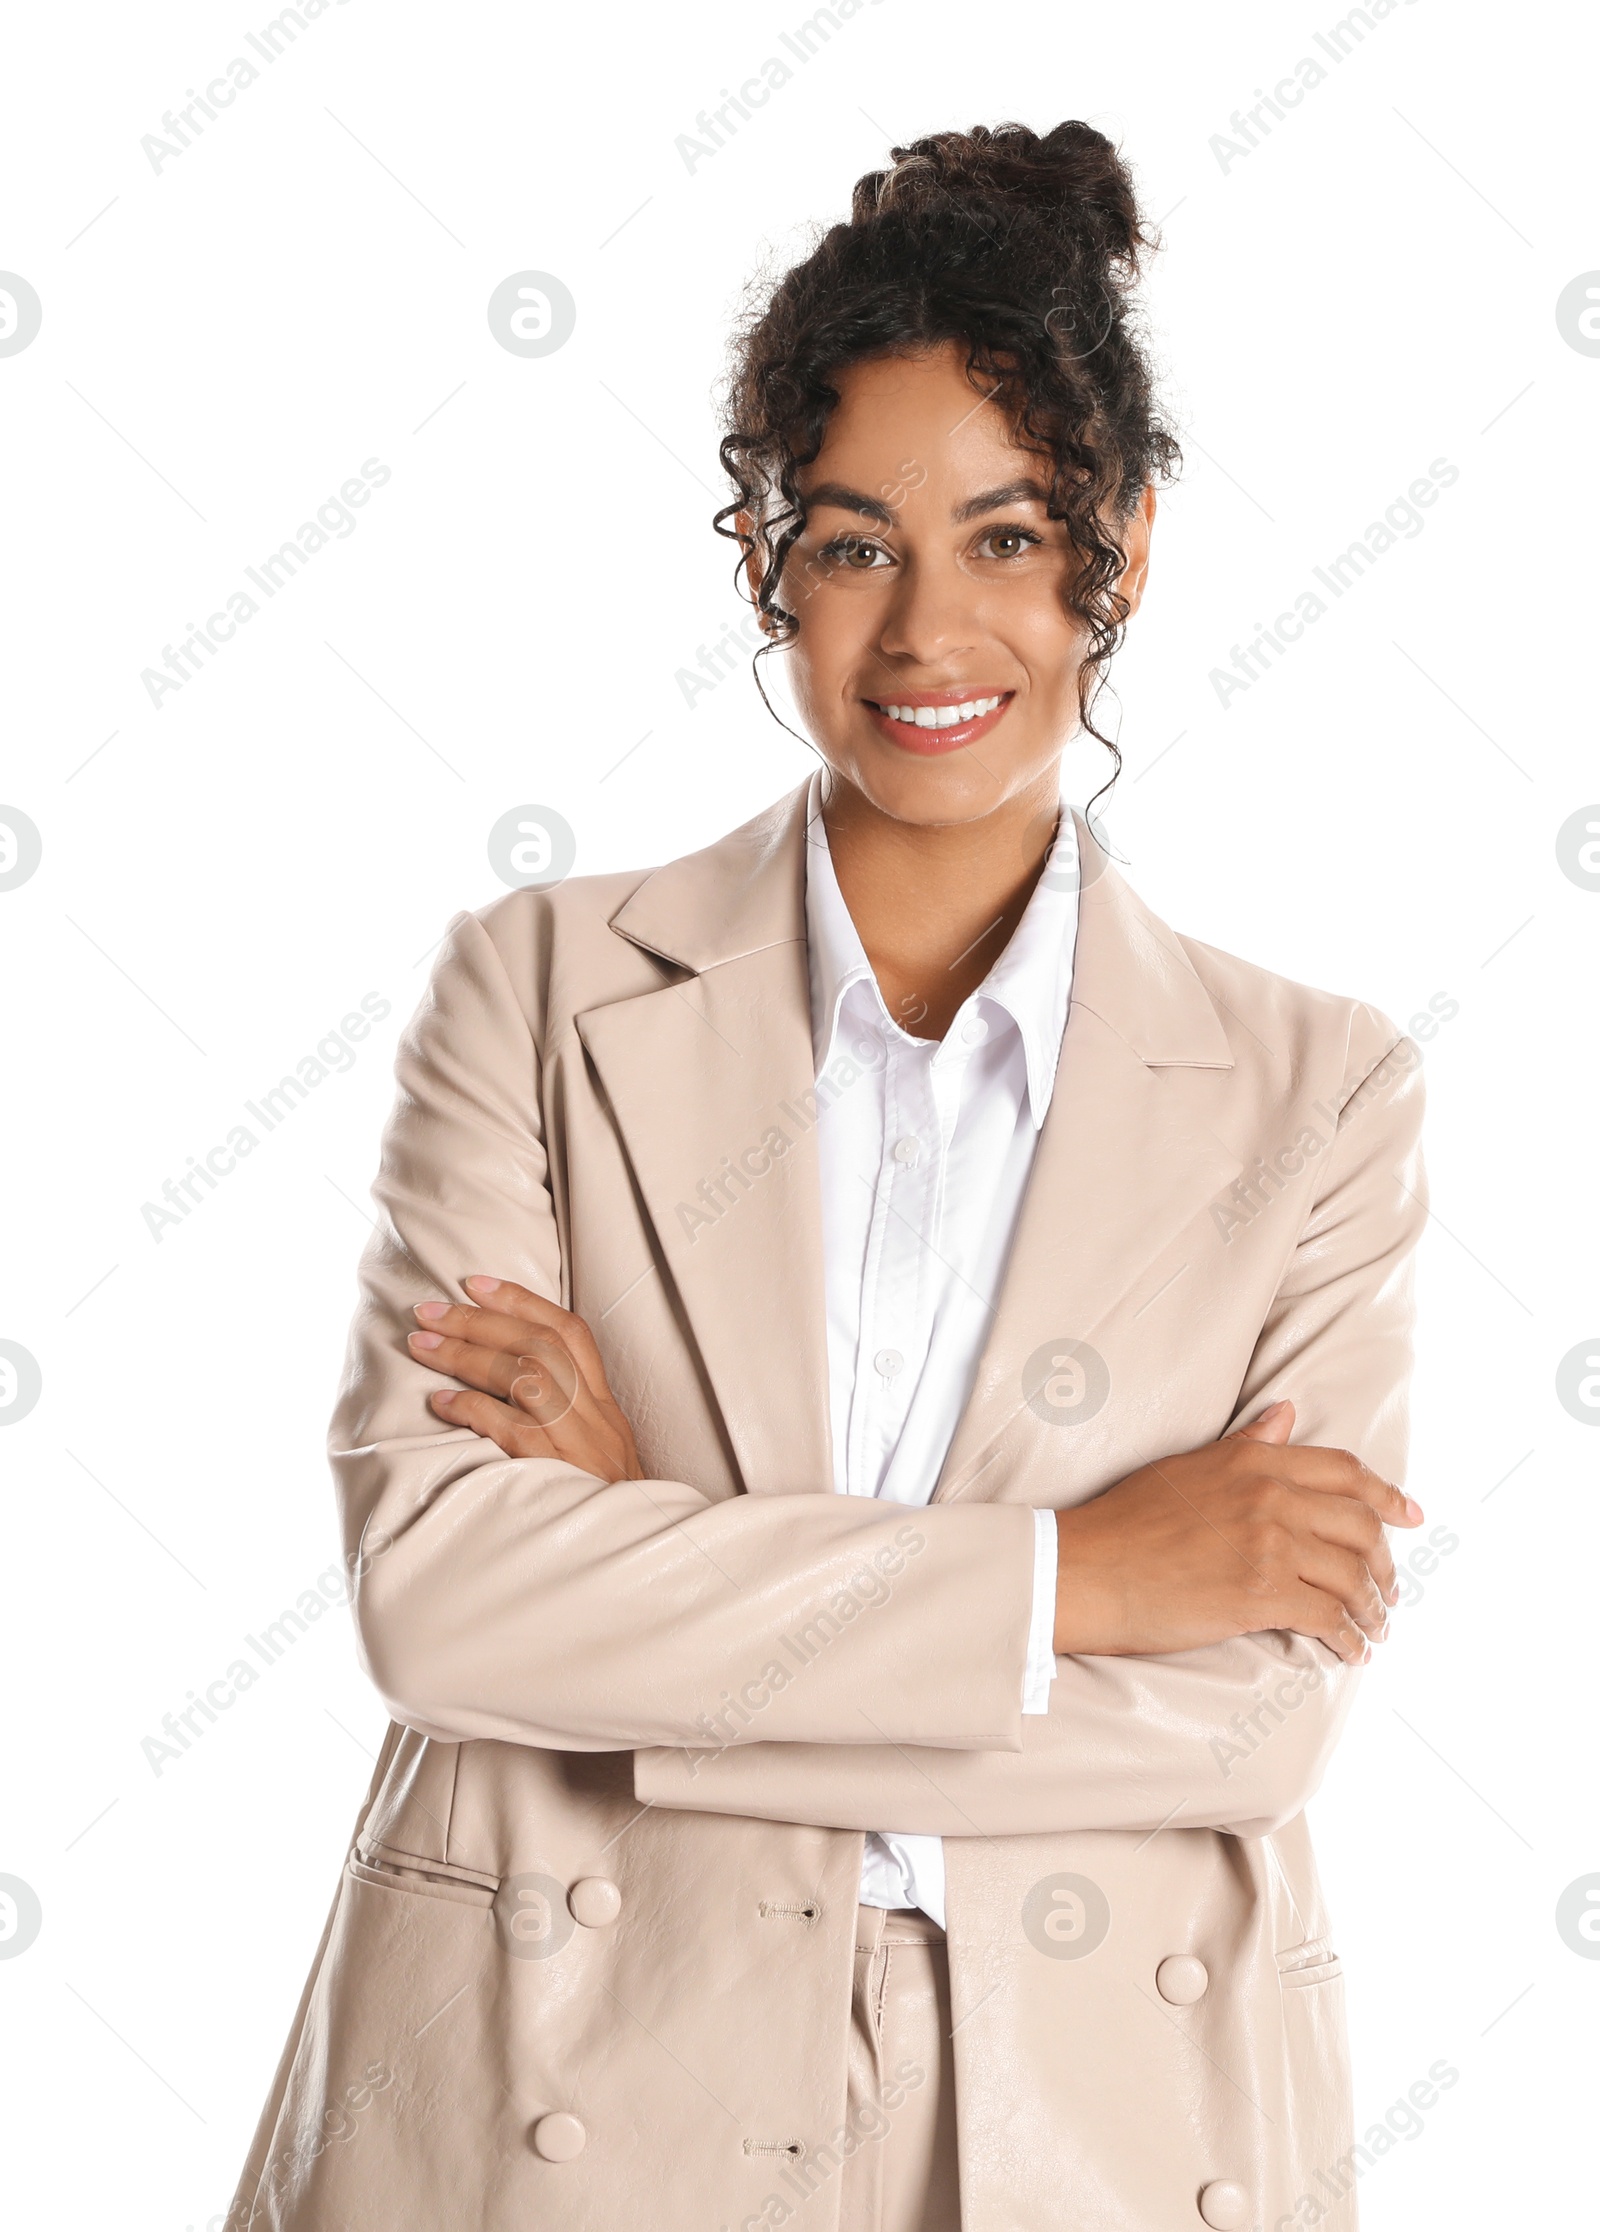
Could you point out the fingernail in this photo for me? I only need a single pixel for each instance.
(442, 1395)
(1273, 1409)
(1413, 1511)
(428, 1311)
(481, 1283)
(426, 1340)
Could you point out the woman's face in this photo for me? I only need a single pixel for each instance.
(929, 583)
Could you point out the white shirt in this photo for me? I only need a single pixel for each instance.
(925, 1148)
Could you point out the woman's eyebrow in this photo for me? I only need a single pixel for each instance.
(1014, 492)
(840, 498)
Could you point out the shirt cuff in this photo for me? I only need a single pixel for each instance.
(1040, 1669)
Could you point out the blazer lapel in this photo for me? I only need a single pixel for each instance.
(710, 1082)
(1121, 1164)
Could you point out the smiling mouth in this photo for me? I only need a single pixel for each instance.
(930, 721)
(941, 716)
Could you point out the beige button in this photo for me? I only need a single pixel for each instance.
(1224, 2206)
(1182, 1980)
(595, 1901)
(560, 2138)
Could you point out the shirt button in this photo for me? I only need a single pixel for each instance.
(888, 1362)
(974, 1031)
(907, 1150)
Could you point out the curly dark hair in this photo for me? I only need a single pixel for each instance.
(1026, 250)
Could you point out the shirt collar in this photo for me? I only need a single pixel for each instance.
(1030, 984)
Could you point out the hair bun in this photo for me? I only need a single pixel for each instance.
(1071, 181)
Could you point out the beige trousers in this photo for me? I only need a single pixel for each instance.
(901, 2175)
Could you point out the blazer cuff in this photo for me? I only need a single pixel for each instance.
(1040, 1669)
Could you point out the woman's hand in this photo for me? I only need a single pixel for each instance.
(536, 1385)
(1241, 1536)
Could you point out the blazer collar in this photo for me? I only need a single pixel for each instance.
(747, 892)
(736, 897)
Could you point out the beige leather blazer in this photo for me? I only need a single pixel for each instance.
(588, 1964)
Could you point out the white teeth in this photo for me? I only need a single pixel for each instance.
(940, 716)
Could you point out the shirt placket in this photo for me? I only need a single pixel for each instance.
(896, 1290)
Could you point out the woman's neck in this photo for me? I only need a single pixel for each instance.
(935, 908)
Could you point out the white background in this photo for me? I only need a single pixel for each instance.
(223, 343)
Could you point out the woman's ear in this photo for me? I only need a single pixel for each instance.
(1136, 550)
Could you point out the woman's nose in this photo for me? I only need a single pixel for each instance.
(931, 615)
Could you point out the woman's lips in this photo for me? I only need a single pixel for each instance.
(910, 736)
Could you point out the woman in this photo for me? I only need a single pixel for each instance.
(925, 1351)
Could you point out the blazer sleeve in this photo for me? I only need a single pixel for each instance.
(527, 1601)
(1234, 1736)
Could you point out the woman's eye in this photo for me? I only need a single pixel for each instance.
(1017, 538)
(854, 554)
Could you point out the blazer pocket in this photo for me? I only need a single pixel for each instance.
(1314, 1962)
(390, 1870)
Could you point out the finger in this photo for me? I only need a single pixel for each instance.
(1345, 1575)
(520, 1436)
(542, 1381)
(486, 1368)
(495, 1421)
(1274, 1425)
(1354, 1526)
(484, 1328)
(503, 1321)
(506, 1297)
(1326, 1619)
(1339, 1472)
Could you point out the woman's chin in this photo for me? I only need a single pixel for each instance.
(926, 790)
